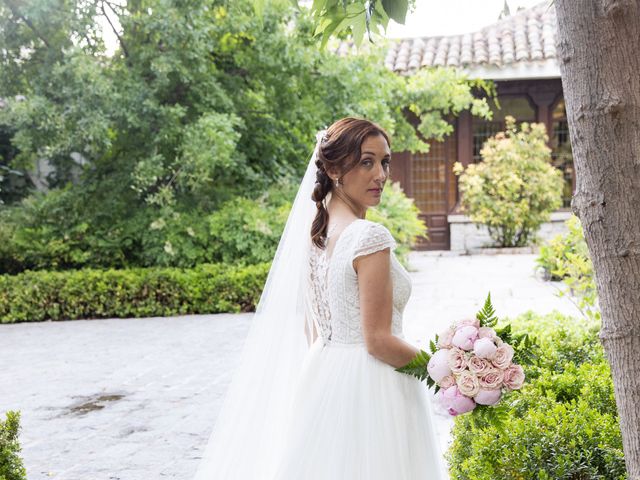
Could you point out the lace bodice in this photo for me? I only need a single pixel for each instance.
(333, 295)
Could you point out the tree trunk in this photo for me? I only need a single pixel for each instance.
(599, 56)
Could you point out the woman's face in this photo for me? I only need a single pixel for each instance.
(364, 182)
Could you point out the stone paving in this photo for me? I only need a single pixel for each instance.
(136, 399)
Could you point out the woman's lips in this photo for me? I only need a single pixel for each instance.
(375, 190)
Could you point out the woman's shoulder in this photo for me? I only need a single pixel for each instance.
(373, 235)
(374, 227)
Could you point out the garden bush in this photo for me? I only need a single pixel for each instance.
(139, 292)
(515, 188)
(566, 257)
(11, 467)
(562, 425)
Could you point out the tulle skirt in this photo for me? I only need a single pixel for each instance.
(353, 417)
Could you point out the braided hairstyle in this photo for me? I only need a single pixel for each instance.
(340, 150)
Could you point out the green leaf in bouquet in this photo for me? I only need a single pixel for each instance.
(433, 347)
(495, 415)
(525, 349)
(487, 315)
(417, 366)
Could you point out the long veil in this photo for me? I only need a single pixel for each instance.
(249, 432)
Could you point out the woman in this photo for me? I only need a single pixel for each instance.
(337, 409)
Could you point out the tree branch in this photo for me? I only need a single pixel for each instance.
(28, 22)
(115, 31)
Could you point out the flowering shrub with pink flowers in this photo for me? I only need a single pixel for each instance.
(472, 363)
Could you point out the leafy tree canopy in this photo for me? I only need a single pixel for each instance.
(202, 101)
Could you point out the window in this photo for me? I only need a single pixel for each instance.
(481, 130)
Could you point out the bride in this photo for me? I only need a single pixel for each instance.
(315, 395)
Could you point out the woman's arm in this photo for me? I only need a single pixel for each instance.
(376, 307)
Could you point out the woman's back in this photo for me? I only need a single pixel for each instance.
(333, 283)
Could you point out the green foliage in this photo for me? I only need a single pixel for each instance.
(566, 257)
(246, 230)
(203, 103)
(336, 17)
(563, 425)
(515, 188)
(400, 215)
(11, 467)
(138, 292)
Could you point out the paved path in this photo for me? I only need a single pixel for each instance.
(135, 399)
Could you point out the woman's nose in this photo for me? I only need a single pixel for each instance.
(381, 173)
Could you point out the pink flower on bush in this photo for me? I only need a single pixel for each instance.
(492, 379)
(487, 397)
(484, 348)
(444, 338)
(503, 356)
(513, 377)
(478, 365)
(438, 366)
(457, 360)
(455, 402)
(464, 337)
(468, 383)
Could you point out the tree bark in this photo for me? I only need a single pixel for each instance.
(599, 57)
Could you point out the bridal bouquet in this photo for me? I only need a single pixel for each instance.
(472, 363)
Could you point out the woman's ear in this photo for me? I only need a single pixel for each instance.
(333, 173)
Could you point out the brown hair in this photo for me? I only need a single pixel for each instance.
(340, 148)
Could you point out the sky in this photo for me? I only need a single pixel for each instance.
(453, 17)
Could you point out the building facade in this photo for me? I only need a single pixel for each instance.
(518, 53)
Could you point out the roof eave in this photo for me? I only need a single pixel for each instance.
(515, 71)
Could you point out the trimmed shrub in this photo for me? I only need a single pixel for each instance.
(563, 424)
(11, 467)
(139, 292)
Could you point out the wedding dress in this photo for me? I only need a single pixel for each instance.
(329, 410)
(353, 417)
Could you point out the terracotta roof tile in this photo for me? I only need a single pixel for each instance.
(527, 37)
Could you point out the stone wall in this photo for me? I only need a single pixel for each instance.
(467, 237)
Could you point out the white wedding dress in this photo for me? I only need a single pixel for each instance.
(353, 417)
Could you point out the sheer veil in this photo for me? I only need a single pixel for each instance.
(248, 435)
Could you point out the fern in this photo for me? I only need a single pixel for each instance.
(418, 367)
(487, 315)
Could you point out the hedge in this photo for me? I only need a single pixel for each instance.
(137, 292)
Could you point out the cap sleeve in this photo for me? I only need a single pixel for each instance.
(372, 238)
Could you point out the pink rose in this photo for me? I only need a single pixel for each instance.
(504, 355)
(447, 382)
(487, 332)
(492, 379)
(513, 377)
(487, 397)
(464, 337)
(455, 402)
(468, 383)
(444, 338)
(438, 366)
(484, 348)
(457, 360)
(478, 365)
(474, 322)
